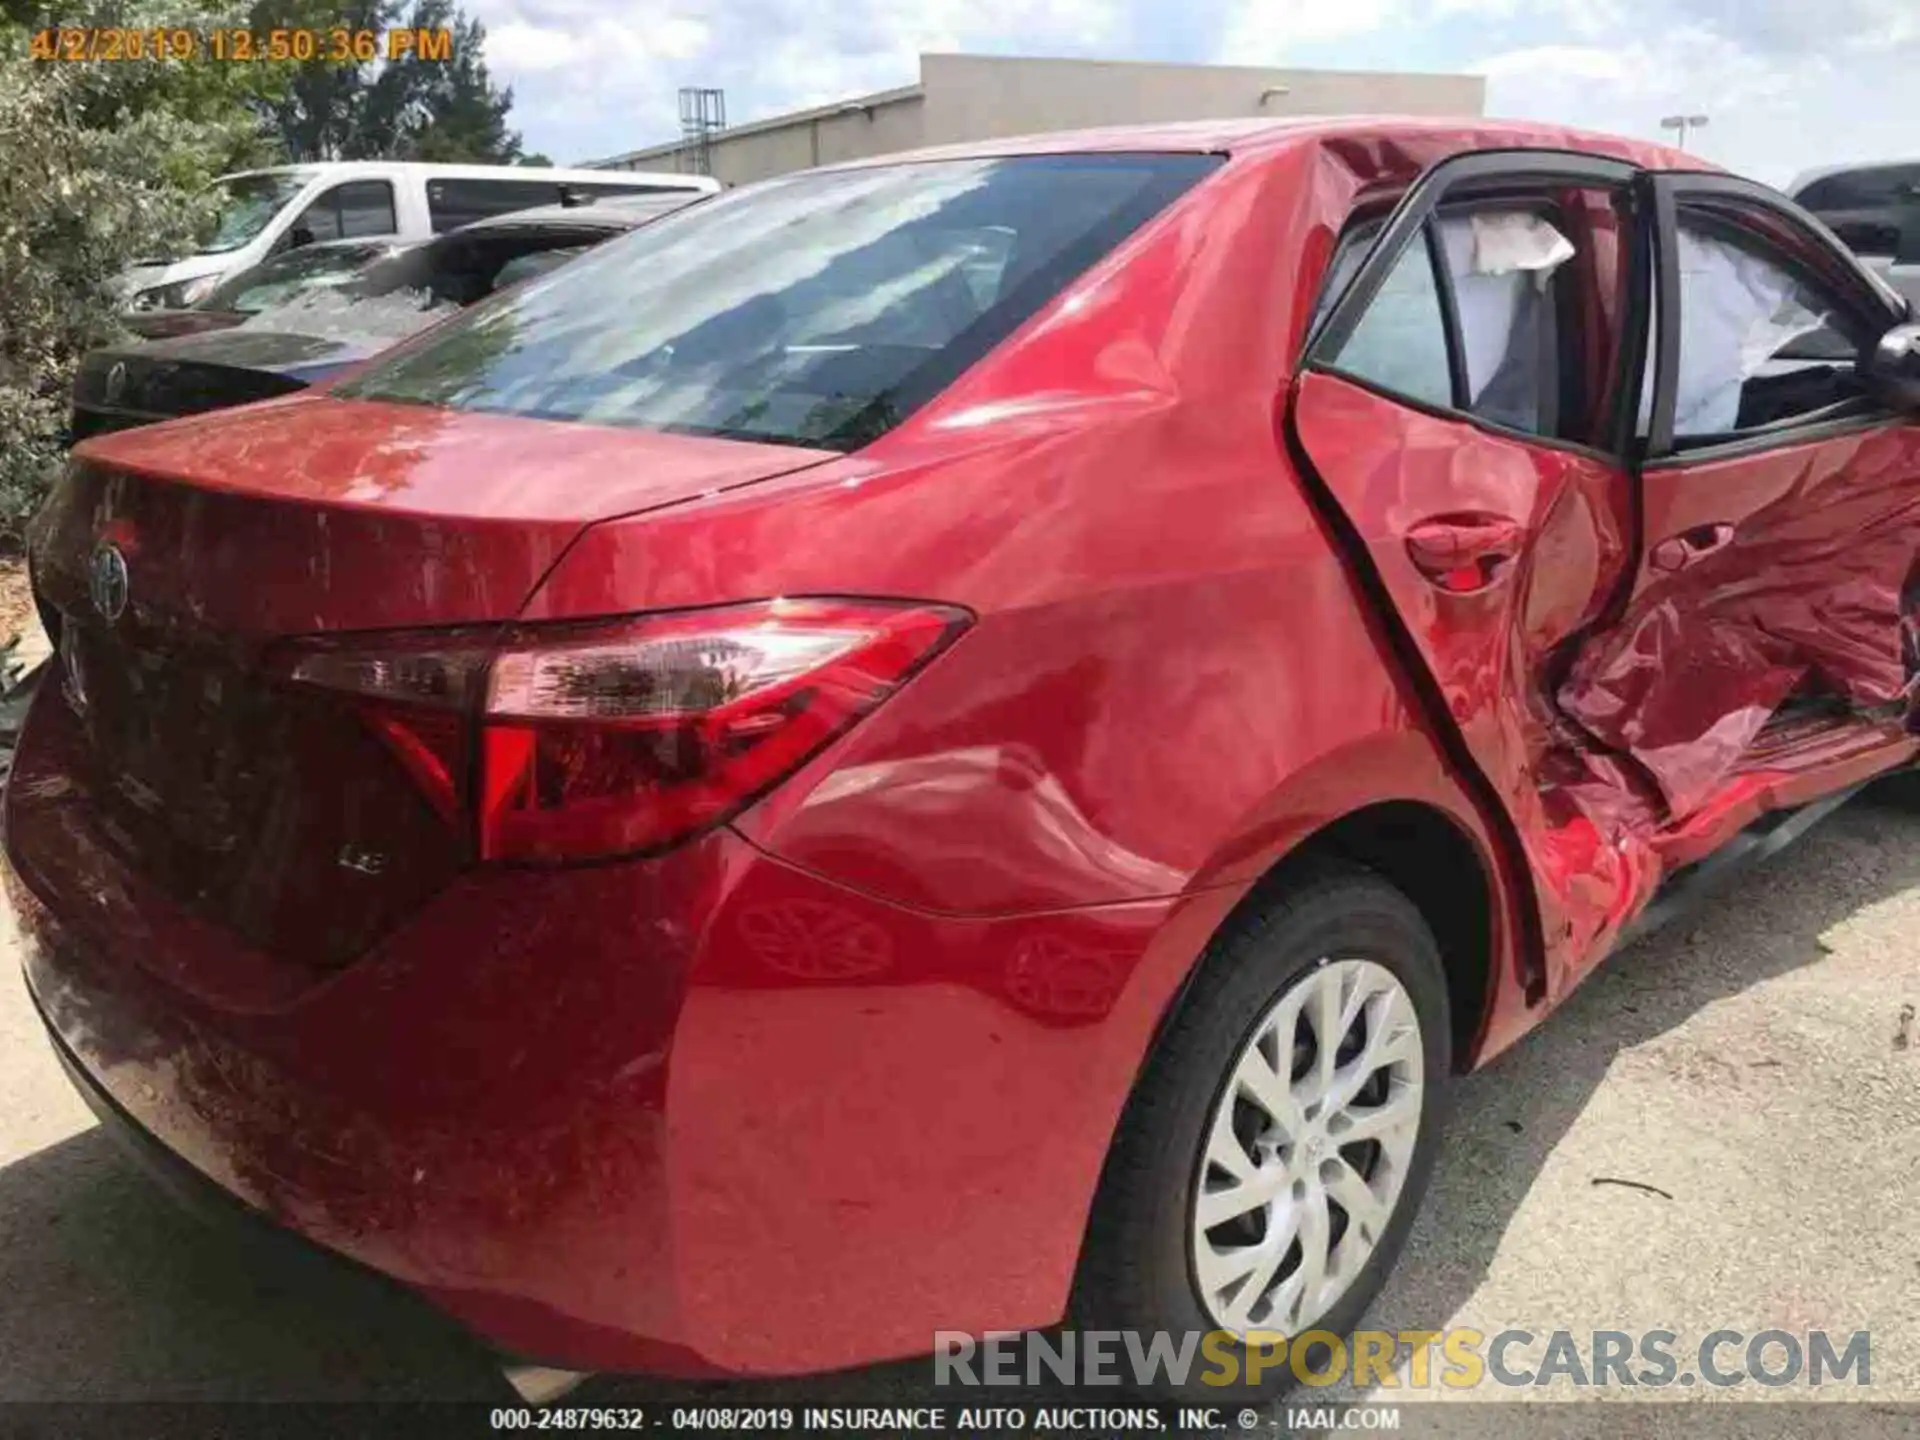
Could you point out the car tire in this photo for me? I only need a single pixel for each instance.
(1145, 1253)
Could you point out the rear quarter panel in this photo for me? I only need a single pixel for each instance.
(1171, 679)
(1170, 684)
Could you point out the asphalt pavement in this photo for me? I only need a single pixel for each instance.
(1752, 1075)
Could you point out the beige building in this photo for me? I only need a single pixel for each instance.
(977, 97)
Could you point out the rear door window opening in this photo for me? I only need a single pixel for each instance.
(1481, 315)
(1764, 346)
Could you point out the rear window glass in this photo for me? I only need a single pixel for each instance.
(525, 267)
(453, 203)
(816, 310)
(276, 281)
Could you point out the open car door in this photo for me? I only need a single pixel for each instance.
(1457, 413)
(1603, 619)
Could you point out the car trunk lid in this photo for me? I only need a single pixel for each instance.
(190, 374)
(172, 561)
(313, 514)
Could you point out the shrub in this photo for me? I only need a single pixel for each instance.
(100, 166)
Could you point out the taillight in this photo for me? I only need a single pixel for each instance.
(591, 740)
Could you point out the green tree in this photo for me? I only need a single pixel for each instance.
(410, 108)
(218, 102)
(316, 112)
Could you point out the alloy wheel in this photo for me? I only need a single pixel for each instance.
(1307, 1149)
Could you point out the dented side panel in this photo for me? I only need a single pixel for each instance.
(1396, 472)
(1813, 592)
(1637, 663)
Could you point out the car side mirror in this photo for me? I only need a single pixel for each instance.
(1891, 368)
(298, 236)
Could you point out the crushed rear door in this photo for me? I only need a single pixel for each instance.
(1608, 641)
(1452, 413)
(1779, 580)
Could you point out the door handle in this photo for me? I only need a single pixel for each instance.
(1690, 547)
(1464, 553)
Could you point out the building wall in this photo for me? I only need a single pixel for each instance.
(978, 97)
(816, 138)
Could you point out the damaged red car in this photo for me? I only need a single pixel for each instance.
(964, 739)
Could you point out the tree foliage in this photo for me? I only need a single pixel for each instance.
(100, 167)
(411, 108)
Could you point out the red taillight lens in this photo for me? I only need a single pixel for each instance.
(619, 737)
(413, 690)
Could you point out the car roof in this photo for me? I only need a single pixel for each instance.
(1253, 136)
(1827, 172)
(604, 212)
(308, 169)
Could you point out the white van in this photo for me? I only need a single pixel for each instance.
(264, 212)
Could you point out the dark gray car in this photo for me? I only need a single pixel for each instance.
(1875, 210)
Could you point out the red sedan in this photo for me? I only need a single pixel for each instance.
(948, 742)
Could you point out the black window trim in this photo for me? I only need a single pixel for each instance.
(1413, 213)
(330, 197)
(1669, 189)
(1452, 336)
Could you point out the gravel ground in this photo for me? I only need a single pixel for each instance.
(1749, 1063)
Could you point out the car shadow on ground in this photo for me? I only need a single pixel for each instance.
(1510, 1117)
(111, 1293)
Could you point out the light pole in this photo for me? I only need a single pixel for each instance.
(1682, 124)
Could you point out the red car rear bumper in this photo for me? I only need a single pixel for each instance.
(707, 1113)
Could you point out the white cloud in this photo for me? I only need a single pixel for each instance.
(1788, 83)
(1679, 69)
(593, 78)
(518, 46)
(1781, 96)
(1267, 32)
(1560, 63)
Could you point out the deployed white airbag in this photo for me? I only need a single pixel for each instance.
(1736, 312)
(1500, 262)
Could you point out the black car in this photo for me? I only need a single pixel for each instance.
(324, 330)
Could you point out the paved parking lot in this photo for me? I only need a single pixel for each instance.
(1752, 1064)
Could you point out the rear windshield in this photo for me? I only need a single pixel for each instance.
(816, 310)
(276, 281)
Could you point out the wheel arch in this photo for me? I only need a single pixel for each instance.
(1433, 859)
(1425, 853)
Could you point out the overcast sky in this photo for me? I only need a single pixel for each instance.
(1789, 84)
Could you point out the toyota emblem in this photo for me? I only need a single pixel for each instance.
(107, 580)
